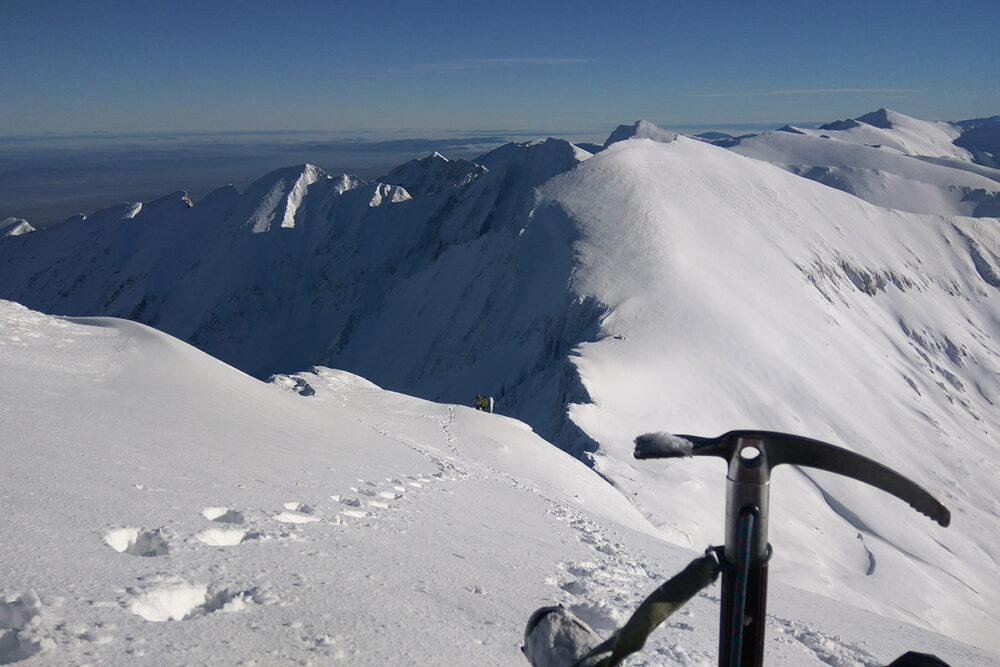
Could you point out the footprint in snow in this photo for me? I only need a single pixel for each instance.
(373, 490)
(19, 636)
(372, 497)
(182, 601)
(229, 535)
(222, 515)
(137, 542)
(353, 504)
(297, 513)
(226, 537)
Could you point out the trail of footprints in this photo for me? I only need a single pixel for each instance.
(606, 590)
(26, 629)
(24, 632)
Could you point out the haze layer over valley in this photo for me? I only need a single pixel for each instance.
(658, 282)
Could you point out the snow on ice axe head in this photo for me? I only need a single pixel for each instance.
(751, 455)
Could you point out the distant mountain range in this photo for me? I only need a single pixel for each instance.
(656, 282)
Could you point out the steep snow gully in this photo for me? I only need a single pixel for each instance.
(660, 283)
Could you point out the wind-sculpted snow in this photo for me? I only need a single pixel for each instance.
(674, 287)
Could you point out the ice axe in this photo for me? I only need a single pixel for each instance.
(751, 456)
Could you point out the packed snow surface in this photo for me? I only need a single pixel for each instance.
(132, 462)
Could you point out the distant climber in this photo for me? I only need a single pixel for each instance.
(480, 403)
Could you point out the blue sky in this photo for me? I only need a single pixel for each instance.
(566, 68)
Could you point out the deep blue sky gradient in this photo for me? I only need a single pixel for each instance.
(412, 68)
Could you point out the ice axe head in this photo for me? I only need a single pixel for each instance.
(752, 454)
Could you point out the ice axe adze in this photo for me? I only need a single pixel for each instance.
(751, 456)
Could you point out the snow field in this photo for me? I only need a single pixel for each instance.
(475, 523)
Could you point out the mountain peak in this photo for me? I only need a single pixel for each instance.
(641, 129)
(14, 227)
(432, 174)
(277, 195)
(789, 129)
(882, 118)
(837, 125)
(546, 155)
(383, 193)
(168, 206)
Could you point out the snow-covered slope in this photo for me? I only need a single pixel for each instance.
(305, 268)
(145, 482)
(909, 136)
(738, 295)
(653, 286)
(162, 507)
(887, 159)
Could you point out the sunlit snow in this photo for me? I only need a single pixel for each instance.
(662, 285)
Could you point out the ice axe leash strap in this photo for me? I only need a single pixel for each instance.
(751, 455)
(654, 610)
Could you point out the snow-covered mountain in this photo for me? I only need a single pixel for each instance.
(304, 268)
(663, 284)
(162, 507)
(434, 174)
(892, 160)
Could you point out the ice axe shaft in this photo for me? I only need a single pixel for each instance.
(751, 456)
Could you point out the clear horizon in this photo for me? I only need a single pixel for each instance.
(108, 100)
(184, 67)
(47, 179)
